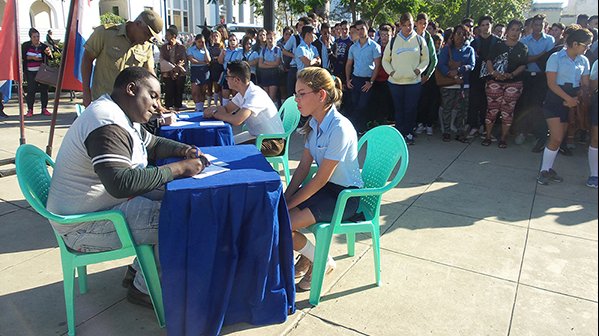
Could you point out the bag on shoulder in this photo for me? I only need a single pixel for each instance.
(47, 75)
(443, 80)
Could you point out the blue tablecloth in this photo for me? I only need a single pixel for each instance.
(199, 135)
(226, 248)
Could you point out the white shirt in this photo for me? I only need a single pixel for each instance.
(265, 117)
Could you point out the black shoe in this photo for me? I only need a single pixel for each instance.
(129, 276)
(135, 296)
(2, 114)
(565, 151)
(539, 146)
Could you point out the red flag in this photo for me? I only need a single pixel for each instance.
(8, 43)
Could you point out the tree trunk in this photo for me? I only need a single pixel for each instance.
(352, 8)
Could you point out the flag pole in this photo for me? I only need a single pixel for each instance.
(20, 79)
(72, 13)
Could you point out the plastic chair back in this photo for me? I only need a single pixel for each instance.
(385, 149)
(79, 109)
(290, 115)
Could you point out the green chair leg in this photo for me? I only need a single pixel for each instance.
(145, 257)
(321, 253)
(286, 169)
(68, 273)
(376, 249)
(351, 244)
(82, 277)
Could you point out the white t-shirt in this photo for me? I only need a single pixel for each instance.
(265, 117)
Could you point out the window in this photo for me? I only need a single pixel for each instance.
(40, 15)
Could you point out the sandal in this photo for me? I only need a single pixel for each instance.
(486, 142)
(502, 144)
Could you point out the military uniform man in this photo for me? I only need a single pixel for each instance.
(116, 47)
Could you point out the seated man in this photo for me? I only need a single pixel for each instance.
(251, 105)
(102, 164)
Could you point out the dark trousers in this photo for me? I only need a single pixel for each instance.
(477, 106)
(173, 92)
(381, 106)
(291, 78)
(405, 103)
(32, 87)
(529, 112)
(429, 102)
(360, 102)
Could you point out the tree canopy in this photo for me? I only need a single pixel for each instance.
(446, 12)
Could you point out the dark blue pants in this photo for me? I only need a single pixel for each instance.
(291, 78)
(405, 103)
(360, 102)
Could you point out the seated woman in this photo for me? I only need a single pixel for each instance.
(332, 142)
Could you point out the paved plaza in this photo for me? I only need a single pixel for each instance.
(471, 245)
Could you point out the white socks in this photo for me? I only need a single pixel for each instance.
(308, 251)
(200, 106)
(593, 161)
(225, 101)
(548, 159)
(216, 98)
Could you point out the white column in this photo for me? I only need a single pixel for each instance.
(229, 9)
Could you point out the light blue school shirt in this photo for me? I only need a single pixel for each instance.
(290, 46)
(308, 51)
(537, 47)
(336, 139)
(232, 55)
(324, 55)
(198, 54)
(363, 57)
(271, 55)
(594, 71)
(568, 70)
(250, 56)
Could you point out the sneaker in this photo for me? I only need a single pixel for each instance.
(520, 138)
(410, 139)
(3, 115)
(302, 266)
(592, 182)
(547, 176)
(539, 146)
(306, 283)
(473, 132)
(429, 130)
(46, 112)
(420, 128)
(135, 296)
(571, 146)
(29, 113)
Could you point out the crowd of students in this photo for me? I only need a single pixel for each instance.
(418, 76)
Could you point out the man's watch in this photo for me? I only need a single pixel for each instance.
(371, 82)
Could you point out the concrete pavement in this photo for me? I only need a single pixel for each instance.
(471, 245)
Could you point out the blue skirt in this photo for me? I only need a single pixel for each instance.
(200, 74)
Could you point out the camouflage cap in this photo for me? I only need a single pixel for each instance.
(152, 20)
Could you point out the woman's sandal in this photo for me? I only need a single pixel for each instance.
(502, 144)
(486, 142)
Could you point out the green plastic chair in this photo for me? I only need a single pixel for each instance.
(34, 180)
(79, 109)
(291, 116)
(385, 151)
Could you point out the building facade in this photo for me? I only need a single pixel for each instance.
(187, 15)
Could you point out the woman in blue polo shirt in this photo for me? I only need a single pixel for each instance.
(332, 142)
(567, 70)
(199, 58)
(268, 66)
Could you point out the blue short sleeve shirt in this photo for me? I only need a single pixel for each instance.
(336, 139)
(304, 50)
(271, 55)
(363, 57)
(198, 54)
(568, 70)
(537, 47)
(594, 71)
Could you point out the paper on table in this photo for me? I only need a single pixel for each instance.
(182, 123)
(212, 123)
(215, 161)
(182, 116)
(211, 170)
